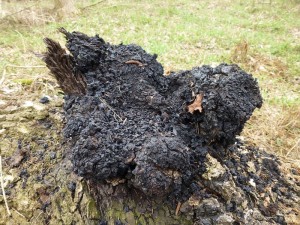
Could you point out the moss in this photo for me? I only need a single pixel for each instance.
(159, 216)
(23, 81)
(92, 210)
(214, 169)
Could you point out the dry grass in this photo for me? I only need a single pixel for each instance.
(258, 63)
(276, 126)
(18, 82)
(33, 14)
(276, 129)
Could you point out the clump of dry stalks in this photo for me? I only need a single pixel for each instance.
(257, 63)
(35, 12)
(275, 127)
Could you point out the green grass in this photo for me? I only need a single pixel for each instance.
(185, 33)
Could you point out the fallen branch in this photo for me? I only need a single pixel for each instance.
(89, 6)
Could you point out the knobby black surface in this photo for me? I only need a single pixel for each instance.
(133, 121)
(132, 125)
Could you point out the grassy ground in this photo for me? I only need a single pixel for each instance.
(262, 36)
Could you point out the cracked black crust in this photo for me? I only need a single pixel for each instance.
(132, 124)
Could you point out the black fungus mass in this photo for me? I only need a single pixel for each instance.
(127, 122)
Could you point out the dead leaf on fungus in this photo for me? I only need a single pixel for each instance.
(196, 105)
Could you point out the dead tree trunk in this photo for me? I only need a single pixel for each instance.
(163, 150)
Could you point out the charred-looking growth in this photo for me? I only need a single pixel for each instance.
(171, 138)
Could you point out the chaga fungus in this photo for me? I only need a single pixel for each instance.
(126, 121)
(151, 141)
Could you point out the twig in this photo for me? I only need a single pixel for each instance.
(2, 187)
(3, 76)
(297, 143)
(19, 213)
(84, 8)
(25, 67)
(111, 108)
(36, 219)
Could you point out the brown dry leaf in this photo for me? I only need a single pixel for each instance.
(196, 105)
(138, 63)
(177, 208)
